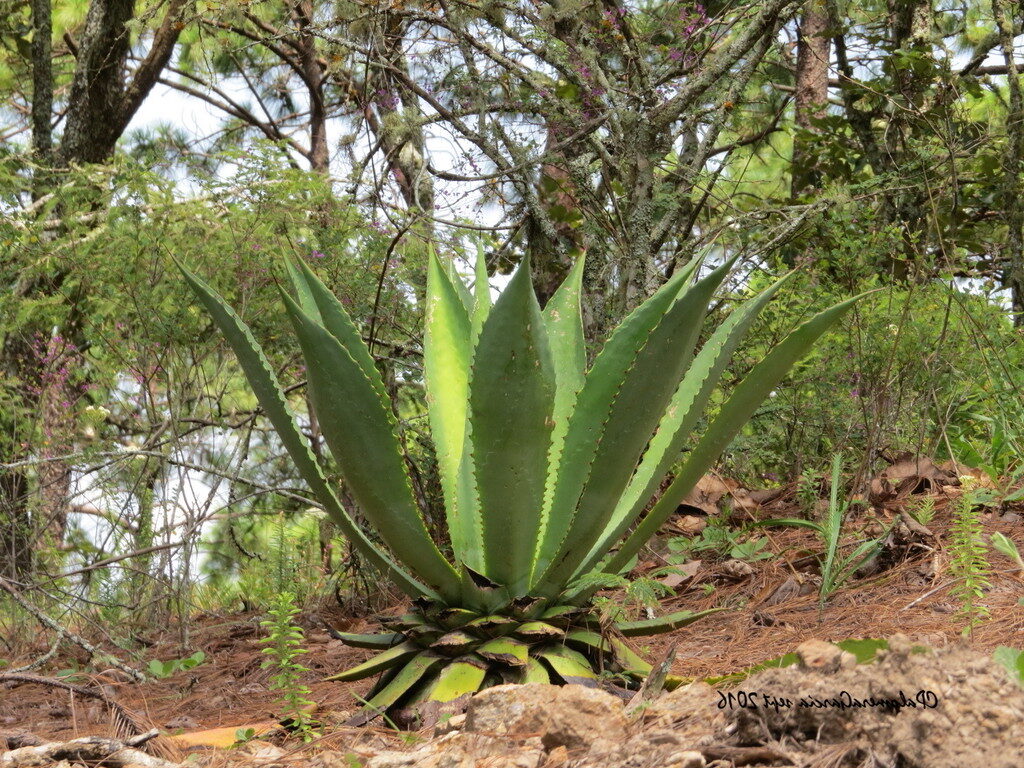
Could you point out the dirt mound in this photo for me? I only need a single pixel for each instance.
(910, 709)
(947, 708)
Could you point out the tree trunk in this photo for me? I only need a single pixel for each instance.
(312, 74)
(42, 80)
(101, 103)
(1013, 165)
(92, 126)
(812, 64)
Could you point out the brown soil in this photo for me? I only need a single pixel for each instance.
(910, 596)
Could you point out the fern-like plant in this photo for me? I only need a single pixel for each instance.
(969, 566)
(284, 648)
(546, 468)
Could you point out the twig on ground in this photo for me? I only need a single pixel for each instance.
(115, 754)
(49, 623)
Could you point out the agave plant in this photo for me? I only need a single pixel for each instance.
(547, 469)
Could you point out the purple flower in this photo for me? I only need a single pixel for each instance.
(317, 255)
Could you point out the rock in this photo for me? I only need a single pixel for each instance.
(685, 717)
(453, 723)
(737, 569)
(686, 760)
(185, 722)
(463, 750)
(562, 716)
(824, 657)
(263, 750)
(557, 756)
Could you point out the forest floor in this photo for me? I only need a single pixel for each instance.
(906, 591)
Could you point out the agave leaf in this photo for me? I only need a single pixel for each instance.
(680, 417)
(271, 397)
(563, 317)
(630, 659)
(405, 622)
(537, 630)
(744, 400)
(379, 663)
(535, 672)
(330, 313)
(645, 391)
(358, 427)
(453, 643)
(458, 678)
(493, 625)
(511, 393)
(587, 638)
(572, 667)
(481, 292)
(464, 294)
(378, 642)
(409, 676)
(664, 623)
(592, 406)
(302, 291)
(452, 618)
(446, 355)
(506, 650)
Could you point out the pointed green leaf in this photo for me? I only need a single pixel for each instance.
(458, 678)
(481, 292)
(572, 667)
(563, 316)
(643, 394)
(587, 638)
(505, 650)
(511, 395)
(271, 397)
(382, 661)
(358, 427)
(738, 409)
(332, 316)
(535, 672)
(446, 356)
(630, 659)
(664, 623)
(409, 676)
(592, 407)
(377, 642)
(681, 416)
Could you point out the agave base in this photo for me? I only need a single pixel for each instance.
(434, 658)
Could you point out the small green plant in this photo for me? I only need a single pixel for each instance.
(1005, 546)
(284, 647)
(751, 550)
(244, 736)
(646, 593)
(718, 540)
(922, 510)
(835, 570)
(807, 492)
(969, 566)
(1013, 660)
(162, 669)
